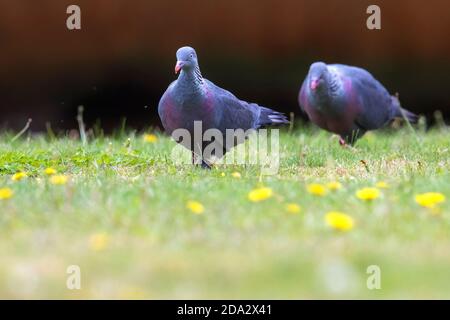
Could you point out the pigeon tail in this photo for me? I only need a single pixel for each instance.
(270, 117)
(411, 117)
(403, 113)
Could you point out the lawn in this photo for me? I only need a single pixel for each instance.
(122, 218)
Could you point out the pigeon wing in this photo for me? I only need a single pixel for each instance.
(234, 113)
(374, 98)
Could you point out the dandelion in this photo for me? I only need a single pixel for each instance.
(195, 206)
(430, 199)
(19, 176)
(334, 185)
(382, 185)
(339, 221)
(151, 138)
(293, 208)
(6, 193)
(236, 175)
(50, 171)
(368, 194)
(260, 194)
(316, 189)
(59, 179)
(98, 241)
(222, 174)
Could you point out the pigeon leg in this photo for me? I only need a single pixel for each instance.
(347, 144)
(196, 158)
(205, 165)
(196, 161)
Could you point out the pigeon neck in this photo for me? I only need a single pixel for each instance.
(329, 98)
(334, 85)
(191, 78)
(329, 91)
(321, 97)
(326, 96)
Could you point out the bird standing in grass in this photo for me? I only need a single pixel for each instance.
(348, 101)
(192, 98)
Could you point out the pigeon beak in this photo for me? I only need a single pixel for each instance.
(314, 84)
(178, 66)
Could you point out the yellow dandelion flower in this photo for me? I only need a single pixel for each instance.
(151, 138)
(430, 199)
(316, 189)
(368, 194)
(382, 185)
(339, 221)
(334, 185)
(6, 193)
(293, 208)
(19, 176)
(195, 206)
(222, 174)
(236, 175)
(50, 171)
(260, 194)
(98, 241)
(59, 179)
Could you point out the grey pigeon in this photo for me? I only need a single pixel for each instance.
(193, 98)
(348, 101)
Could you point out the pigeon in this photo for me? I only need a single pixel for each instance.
(192, 99)
(348, 101)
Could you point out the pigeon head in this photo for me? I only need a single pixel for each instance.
(186, 59)
(318, 77)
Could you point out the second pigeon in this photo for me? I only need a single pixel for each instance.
(348, 101)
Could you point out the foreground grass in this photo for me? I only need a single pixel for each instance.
(122, 218)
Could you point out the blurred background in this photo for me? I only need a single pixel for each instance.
(122, 60)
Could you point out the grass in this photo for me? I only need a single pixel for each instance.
(122, 218)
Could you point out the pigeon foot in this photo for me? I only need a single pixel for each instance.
(205, 165)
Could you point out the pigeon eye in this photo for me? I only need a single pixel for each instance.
(191, 55)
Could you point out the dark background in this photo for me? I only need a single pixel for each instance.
(122, 60)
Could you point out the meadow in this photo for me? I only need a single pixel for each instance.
(140, 227)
